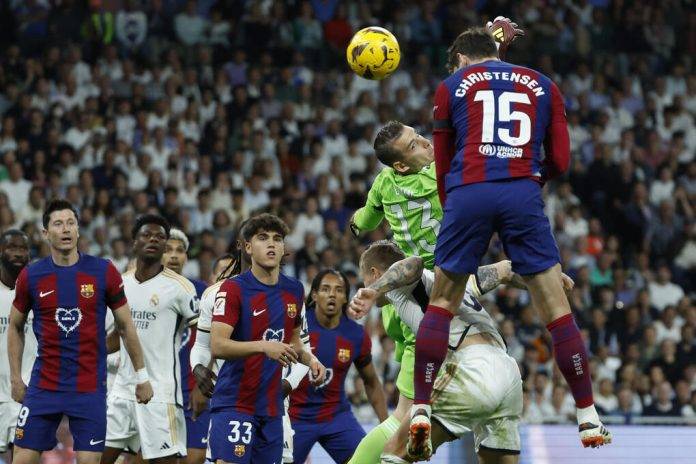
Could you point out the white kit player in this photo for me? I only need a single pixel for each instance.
(162, 304)
(14, 255)
(479, 387)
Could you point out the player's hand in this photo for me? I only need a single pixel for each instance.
(362, 302)
(282, 352)
(198, 402)
(19, 389)
(205, 380)
(317, 372)
(504, 30)
(504, 269)
(143, 392)
(568, 283)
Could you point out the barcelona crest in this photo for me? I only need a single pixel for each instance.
(239, 450)
(292, 310)
(19, 433)
(87, 290)
(343, 354)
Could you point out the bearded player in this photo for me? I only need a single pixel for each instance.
(14, 255)
(491, 119)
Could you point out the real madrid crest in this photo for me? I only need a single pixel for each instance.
(292, 310)
(87, 290)
(154, 300)
(239, 450)
(343, 354)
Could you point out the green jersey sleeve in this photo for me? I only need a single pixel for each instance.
(371, 215)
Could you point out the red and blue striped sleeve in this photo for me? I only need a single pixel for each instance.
(556, 141)
(115, 294)
(22, 299)
(228, 304)
(443, 137)
(365, 356)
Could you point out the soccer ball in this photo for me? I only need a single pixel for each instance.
(373, 53)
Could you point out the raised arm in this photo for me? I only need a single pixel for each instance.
(443, 138)
(370, 216)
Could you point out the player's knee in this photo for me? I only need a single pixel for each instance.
(25, 456)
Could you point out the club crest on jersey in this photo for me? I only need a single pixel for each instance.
(87, 290)
(271, 335)
(239, 450)
(68, 319)
(292, 310)
(344, 354)
(19, 433)
(154, 300)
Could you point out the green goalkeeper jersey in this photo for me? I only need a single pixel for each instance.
(411, 206)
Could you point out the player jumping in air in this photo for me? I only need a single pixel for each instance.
(480, 389)
(256, 331)
(163, 302)
(405, 195)
(14, 255)
(491, 119)
(175, 258)
(68, 293)
(322, 414)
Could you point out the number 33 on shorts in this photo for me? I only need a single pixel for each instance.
(242, 438)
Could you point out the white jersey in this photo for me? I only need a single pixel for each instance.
(161, 308)
(411, 302)
(7, 296)
(205, 316)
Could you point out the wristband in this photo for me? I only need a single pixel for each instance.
(141, 376)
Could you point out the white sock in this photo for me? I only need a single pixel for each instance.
(391, 459)
(588, 414)
(423, 407)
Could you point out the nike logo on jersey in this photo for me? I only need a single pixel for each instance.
(42, 294)
(256, 312)
(93, 442)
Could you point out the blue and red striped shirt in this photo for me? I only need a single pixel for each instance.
(337, 349)
(491, 121)
(257, 311)
(69, 305)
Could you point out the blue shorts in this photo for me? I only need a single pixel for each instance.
(244, 439)
(197, 430)
(514, 209)
(42, 411)
(339, 437)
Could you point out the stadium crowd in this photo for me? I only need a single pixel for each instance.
(208, 112)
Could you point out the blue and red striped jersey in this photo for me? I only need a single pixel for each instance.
(257, 311)
(69, 305)
(337, 349)
(188, 338)
(491, 121)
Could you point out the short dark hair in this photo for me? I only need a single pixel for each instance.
(316, 283)
(265, 221)
(150, 219)
(381, 254)
(57, 204)
(384, 143)
(475, 43)
(9, 233)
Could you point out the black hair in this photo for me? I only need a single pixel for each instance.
(57, 204)
(316, 282)
(150, 219)
(265, 221)
(381, 254)
(9, 233)
(475, 43)
(384, 143)
(230, 267)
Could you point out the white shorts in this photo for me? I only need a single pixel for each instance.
(288, 433)
(156, 429)
(8, 421)
(479, 389)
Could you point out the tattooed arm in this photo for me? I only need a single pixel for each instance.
(490, 276)
(399, 274)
